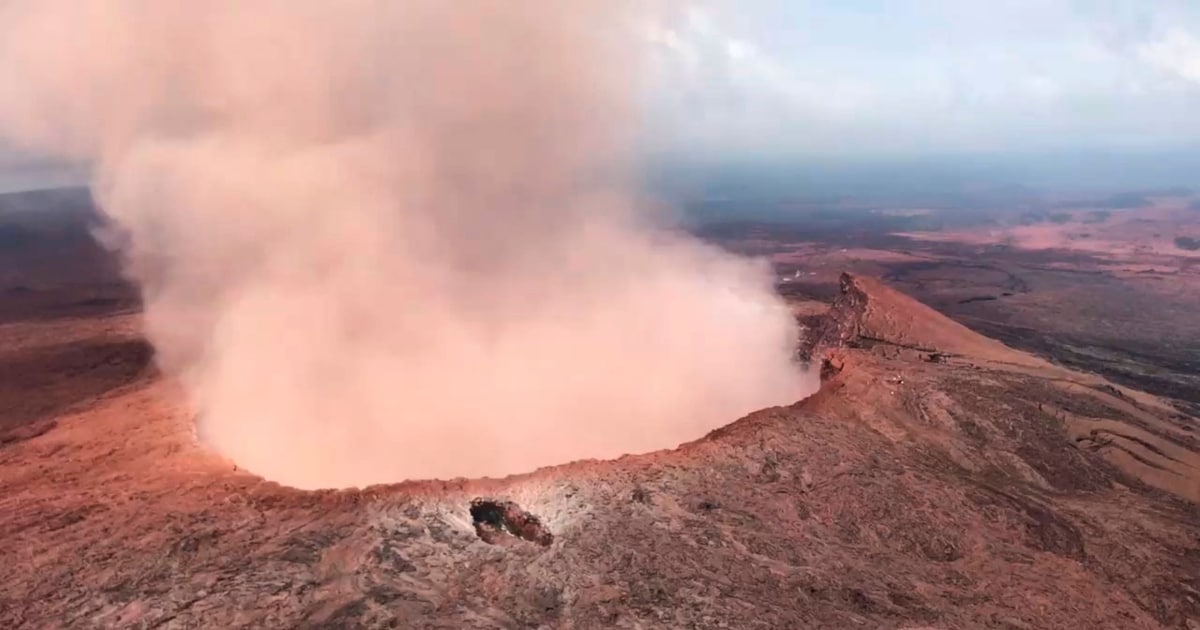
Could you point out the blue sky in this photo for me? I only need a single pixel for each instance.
(913, 77)
(735, 79)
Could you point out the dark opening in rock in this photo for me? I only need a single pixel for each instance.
(935, 357)
(496, 522)
(830, 368)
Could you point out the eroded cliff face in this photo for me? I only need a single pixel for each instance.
(867, 313)
(841, 325)
(939, 479)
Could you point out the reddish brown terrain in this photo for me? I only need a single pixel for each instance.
(939, 479)
(1090, 284)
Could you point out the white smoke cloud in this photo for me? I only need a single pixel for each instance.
(387, 239)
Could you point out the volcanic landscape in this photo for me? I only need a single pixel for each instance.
(1024, 456)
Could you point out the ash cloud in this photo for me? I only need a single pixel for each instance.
(389, 239)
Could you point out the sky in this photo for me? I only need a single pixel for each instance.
(921, 77)
(864, 79)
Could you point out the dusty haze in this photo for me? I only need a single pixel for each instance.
(381, 240)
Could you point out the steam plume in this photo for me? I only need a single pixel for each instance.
(386, 239)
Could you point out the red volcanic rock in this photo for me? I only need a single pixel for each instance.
(984, 489)
(868, 313)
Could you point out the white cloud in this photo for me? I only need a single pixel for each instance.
(927, 75)
(738, 50)
(1177, 52)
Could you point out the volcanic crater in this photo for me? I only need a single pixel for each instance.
(938, 478)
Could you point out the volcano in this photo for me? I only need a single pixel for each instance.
(939, 479)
